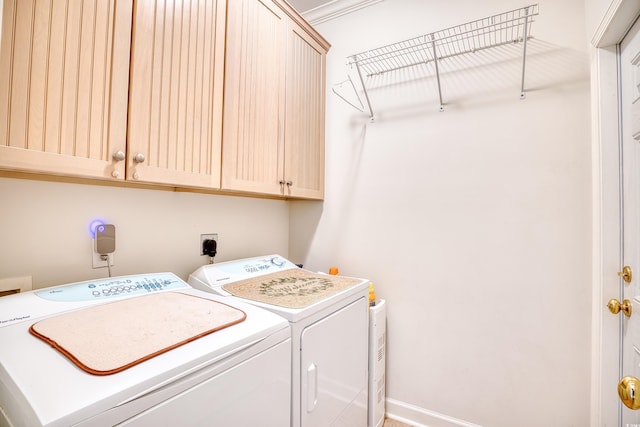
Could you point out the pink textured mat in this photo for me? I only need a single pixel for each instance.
(110, 338)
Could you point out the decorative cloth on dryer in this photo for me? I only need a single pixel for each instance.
(294, 288)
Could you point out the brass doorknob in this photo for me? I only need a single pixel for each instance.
(626, 274)
(615, 307)
(629, 392)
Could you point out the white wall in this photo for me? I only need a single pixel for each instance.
(44, 229)
(595, 10)
(474, 223)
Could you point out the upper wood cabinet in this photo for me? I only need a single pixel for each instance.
(66, 93)
(64, 73)
(273, 138)
(175, 100)
(124, 89)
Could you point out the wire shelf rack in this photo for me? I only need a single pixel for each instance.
(510, 27)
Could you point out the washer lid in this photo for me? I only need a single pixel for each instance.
(32, 305)
(40, 386)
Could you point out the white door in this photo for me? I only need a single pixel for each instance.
(629, 387)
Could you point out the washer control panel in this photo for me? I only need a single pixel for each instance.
(113, 287)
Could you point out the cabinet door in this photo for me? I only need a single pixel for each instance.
(175, 110)
(305, 110)
(64, 74)
(252, 151)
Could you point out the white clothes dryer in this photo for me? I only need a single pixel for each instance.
(238, 375)
(329, 323)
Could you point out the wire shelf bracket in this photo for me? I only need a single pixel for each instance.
(340, 91)
(510, 27)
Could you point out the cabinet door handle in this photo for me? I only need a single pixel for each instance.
(119, 156)
(138, 158)
(289, 183)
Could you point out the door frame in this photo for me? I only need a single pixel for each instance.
(606, 213)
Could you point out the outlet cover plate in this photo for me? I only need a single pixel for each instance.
(97, 261)
(203, 237)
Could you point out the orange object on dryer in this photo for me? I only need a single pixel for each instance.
(333, 271)
(372, 295)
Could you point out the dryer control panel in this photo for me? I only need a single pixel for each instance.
(213, 276)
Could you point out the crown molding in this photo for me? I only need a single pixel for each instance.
(618, 19)
(335, 8)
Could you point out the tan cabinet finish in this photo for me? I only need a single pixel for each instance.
(273, 138)
(304, 119)
(175, 104)
(65, 89)
(64, 73)
(252, 147)
(134, 90)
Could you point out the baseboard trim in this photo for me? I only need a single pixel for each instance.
(420, 417)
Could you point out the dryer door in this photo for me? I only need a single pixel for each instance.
(333, 375)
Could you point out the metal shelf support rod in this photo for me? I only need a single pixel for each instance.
(435, 61)
(524, 50)
(364, 88)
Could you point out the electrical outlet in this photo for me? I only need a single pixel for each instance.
(203, 237)
(98, 262)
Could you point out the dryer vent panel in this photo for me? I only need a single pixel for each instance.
(377, 359)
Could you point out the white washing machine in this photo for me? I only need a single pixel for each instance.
(329, 332)
(238, 375)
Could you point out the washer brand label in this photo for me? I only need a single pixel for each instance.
(14, 319)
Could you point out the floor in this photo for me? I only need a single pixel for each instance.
(393, 423)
